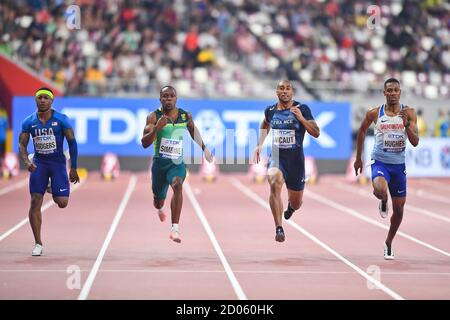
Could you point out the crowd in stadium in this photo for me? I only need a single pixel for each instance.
(136, 46)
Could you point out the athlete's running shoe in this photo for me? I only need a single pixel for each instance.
(388, 252)
(383, 208)
(175, 236)
(37, 251)
(279, 234)
(288, 212)
(161, 215)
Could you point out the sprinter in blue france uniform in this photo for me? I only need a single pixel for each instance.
(289, 120)
(395, 124)
(47, 128)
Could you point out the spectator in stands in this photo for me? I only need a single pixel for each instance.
(441, 126)
(322, 40)
(448, 126)
(421, 124)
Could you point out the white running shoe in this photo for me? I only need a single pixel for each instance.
(388, 253)
(384, 210)
(37, 251)
(175, 236)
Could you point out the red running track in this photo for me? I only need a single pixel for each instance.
(110, 232)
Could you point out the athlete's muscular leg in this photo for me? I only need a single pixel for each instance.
(177, 198)
(398, 203)
(35, 216)
(380, 187)
(295, 198)
(61, 201)
(158, 203)
(276, 180)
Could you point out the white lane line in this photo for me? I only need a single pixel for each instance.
(265, 205)
(367, 194)
(223, 271)
(427, 195)
(18, 185)
(123, 204)
(198, 210)
(435, 183)
(362, 217)
(44, 208)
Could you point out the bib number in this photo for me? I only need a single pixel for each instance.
(170, 148)
(394, 142)
(44, 144)
(284, 139)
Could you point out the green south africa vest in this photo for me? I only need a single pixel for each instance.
(169, 140)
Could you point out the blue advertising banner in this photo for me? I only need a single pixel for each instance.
(228, 127)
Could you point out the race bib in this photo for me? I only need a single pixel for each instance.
(170, 148)
(44, 144)
(284, 139)
(394, 142)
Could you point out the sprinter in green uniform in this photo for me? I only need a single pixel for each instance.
(165, 128)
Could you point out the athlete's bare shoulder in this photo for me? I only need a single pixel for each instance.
(151, 118)
(372, 113)
(374, 109)
(190, 121)
(409, 109)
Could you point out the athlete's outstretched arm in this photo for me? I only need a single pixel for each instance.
(152, 128)
(195, 135)
(410, 122)
(264, 129)
(23, 143)
(73, 151)
(365, 124)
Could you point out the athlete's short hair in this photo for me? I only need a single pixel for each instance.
(285, 80)
(167, 87)
(391, 80)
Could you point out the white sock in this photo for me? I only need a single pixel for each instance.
(175, 227)
(161, 209)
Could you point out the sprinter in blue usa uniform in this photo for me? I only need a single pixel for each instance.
(47, 127)
(288, 119)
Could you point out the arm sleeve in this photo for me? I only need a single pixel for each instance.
(306, 111)
(26, 126)
(266, 115)
(73, 151)
(65, 122)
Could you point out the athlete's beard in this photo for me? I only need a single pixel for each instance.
(392, 103)
(167, 109)
(285, 103)
(44, 111)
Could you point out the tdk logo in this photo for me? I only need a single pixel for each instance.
(130, 125)
(395, 136)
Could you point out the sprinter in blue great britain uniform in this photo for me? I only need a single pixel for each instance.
(47, 127)
(395, 123)
(289, 120)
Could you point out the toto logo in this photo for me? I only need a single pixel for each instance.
(445, 157)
